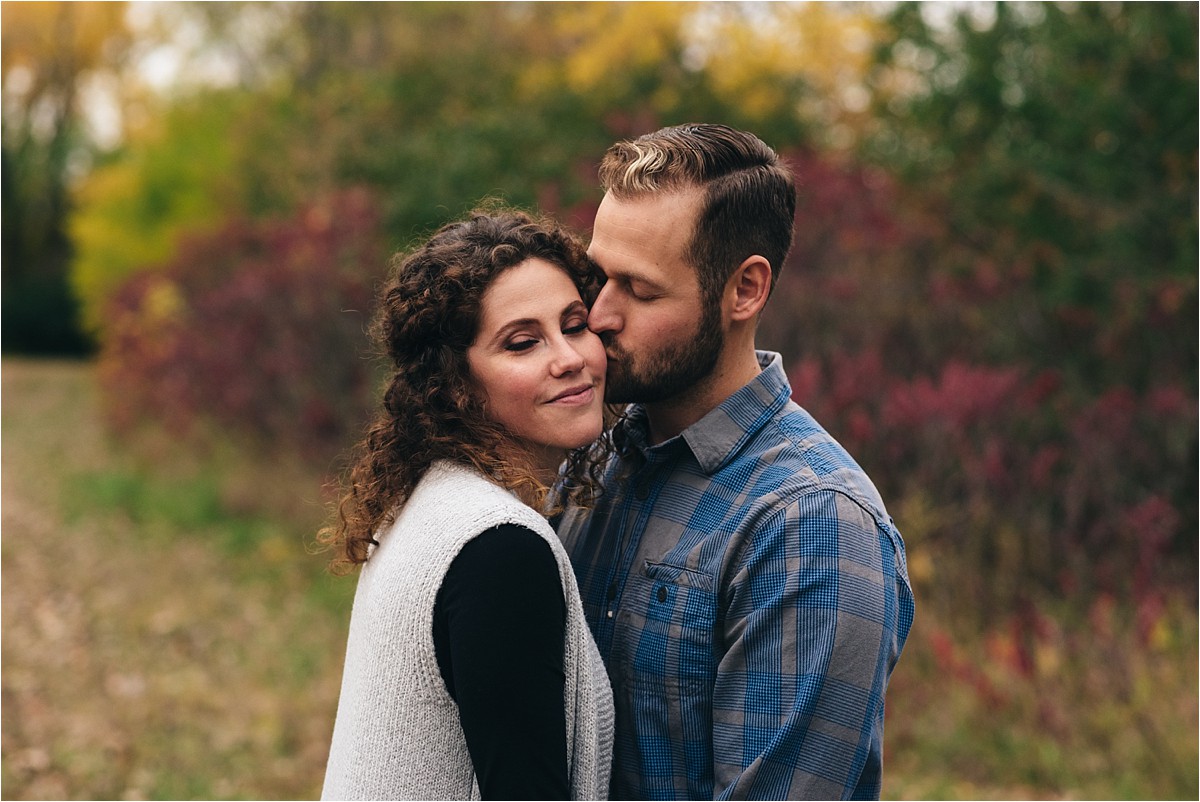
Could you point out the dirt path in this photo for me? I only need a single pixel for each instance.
(136, 663)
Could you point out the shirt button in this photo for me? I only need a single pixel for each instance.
(662, 594)
(641, 492)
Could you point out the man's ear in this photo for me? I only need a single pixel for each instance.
(749, 287)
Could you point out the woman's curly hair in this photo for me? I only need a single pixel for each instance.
(432, 408)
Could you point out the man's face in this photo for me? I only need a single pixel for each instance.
(660, 335)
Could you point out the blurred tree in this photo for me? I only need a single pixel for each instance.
(1053, 151)
(435, 105)
(792, 72)
(46, 52)
(173, 177)
(416, 100)
(1014, 350)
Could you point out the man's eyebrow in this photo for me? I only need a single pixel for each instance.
(622, 274)
(638, 278)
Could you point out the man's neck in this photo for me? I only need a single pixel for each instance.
(732, 372)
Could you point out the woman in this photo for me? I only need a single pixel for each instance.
(469, 668)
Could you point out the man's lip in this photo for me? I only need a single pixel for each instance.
(572, 392)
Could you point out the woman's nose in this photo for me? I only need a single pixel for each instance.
(566, 359)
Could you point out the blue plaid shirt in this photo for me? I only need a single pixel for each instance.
(749, 595)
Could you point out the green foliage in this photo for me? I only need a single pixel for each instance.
(39, 314)
(175, 179)
(434, 105)
(1057, 146)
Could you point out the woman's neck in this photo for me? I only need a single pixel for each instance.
(544, 461)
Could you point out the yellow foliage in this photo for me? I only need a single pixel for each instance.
(129, 215)
(615, 37)
(106, 252)
(161, 307)
(276, 550)
(163, 303)
(56, 41)
(920, 567)
(916, 517)
(594, 46)
(758, 57)
(1048, 657)
(1162, 636)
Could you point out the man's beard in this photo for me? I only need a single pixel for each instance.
(669, 372)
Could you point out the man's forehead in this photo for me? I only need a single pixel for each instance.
(642, 219)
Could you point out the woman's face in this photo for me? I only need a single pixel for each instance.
(540, 367)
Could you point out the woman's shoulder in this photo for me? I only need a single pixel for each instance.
(508, 550)
(456, 498)
(507, 541)
(444, 477)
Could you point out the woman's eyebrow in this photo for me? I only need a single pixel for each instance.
(575, 306)
(505, 328)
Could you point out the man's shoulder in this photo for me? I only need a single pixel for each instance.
(795, 456)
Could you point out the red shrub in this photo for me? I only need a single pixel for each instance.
(258, 329)
(937, 364)
(1098, 494)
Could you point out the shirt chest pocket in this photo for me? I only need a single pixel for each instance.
(665, 627)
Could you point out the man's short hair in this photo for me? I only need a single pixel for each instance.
(749, 201)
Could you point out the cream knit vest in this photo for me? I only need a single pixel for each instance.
(397, 733)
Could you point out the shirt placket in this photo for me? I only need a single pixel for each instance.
(638, 501)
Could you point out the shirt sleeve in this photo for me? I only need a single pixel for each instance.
(499, 623)
(812, 630)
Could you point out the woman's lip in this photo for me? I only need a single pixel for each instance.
(577, 395)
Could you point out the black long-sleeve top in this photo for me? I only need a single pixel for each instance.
(498, 628)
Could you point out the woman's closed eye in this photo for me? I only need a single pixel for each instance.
(521, 343)
(523, 335)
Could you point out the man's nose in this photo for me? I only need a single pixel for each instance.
(604, 315)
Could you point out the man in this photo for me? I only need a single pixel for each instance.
(744, 583)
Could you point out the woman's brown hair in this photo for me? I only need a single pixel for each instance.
(432, 409)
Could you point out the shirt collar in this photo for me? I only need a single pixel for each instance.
(719, 435)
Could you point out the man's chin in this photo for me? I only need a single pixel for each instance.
(635, 394)
(617, 394)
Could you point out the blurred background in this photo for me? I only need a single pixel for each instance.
(992, 302)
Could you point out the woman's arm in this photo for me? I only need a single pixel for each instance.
(498, 629)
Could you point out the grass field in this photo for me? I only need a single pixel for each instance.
(156, 643)
(167, 635)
